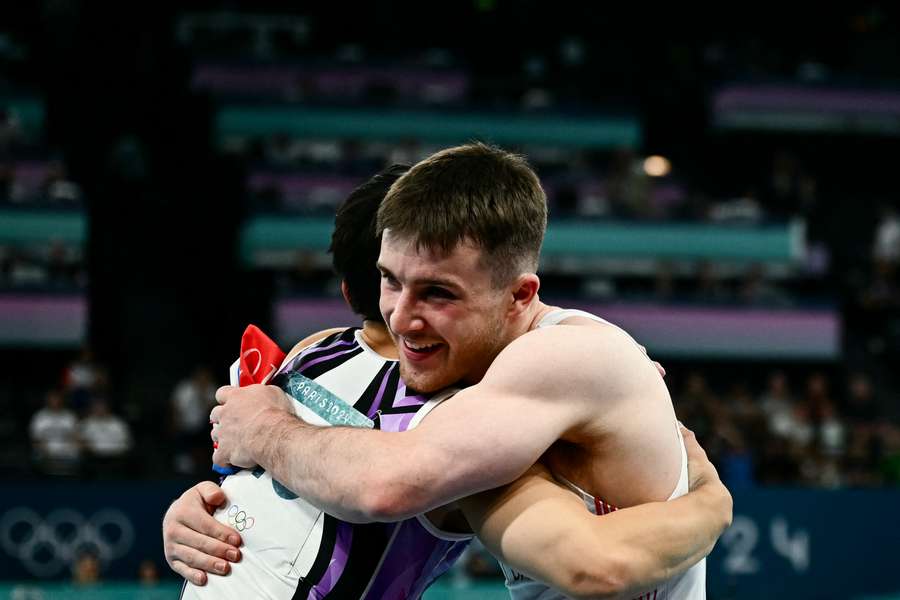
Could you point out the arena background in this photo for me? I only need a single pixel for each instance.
(722, 185)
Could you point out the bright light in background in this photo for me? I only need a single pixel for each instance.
(657, 166)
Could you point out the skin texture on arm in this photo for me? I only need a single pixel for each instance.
(586, 556)
(528, 399)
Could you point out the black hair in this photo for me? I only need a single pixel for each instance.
(355, 245)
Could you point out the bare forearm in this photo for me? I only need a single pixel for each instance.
(354, 474)
(664, 539)
(587, 556)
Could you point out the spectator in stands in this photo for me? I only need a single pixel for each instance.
(700, 409)
(25, 271)
(861, 408)
(887, 237)
(795, 426)
(747, 415)
(80, 378)
(148, 573)
(860, 461)
(86, 569)
(776, 401)
(58, 188)
(106, 438)
(54, 437)
(192, 399)
(831, 431)
(865, 445)
(743, 208)
(696, 405)
(817, 393)
(883, 293)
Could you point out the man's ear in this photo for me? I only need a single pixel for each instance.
(345, 291)
(524, 292)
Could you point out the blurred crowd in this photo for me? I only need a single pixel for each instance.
(819, 431)
(81, 431)
(32, 180)
(791, 427)
(819, 424)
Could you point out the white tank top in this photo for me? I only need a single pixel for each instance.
(690, 585)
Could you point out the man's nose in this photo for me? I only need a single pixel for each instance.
(405, 317)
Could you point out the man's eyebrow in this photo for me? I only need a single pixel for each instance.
(448, 283)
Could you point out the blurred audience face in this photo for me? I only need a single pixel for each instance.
(860, 388)
(148, 573)
(778, 384)
(54, 400)
(99, 408)
(817, 386)
(86, 569)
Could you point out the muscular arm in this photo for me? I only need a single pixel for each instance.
(530, 397)
(543, 530)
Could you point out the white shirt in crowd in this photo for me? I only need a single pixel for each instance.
(55, 432)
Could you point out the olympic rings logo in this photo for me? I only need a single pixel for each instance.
(47, 546)
(238, 518)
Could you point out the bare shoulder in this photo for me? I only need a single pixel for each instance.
(569, 358)
(550, 347)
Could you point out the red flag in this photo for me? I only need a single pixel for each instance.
(260, 357)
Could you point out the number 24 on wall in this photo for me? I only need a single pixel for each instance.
(742, 537)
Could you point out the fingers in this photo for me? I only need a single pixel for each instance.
(215, 415)
(203, 552)
(195, 576)
(193, 540)
(224, 393)
(700, 469)
(193, 562)
(194, 517)
(691, 445)
(659, 368)
(212, 495)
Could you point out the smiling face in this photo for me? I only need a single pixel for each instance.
(447, 318)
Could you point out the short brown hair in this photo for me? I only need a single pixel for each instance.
(476, 192)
